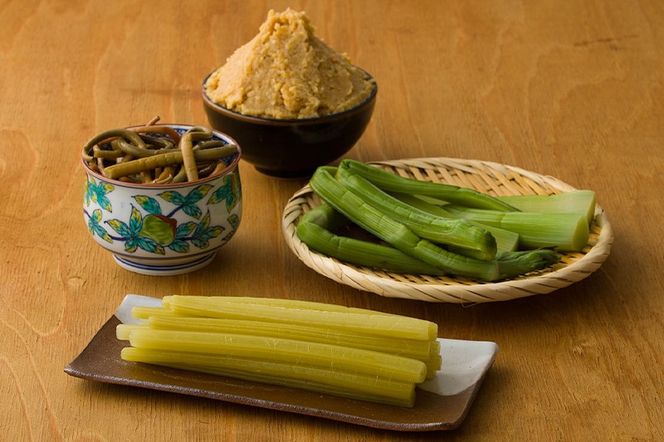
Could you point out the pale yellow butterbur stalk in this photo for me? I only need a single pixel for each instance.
(428, 352)
(123, 331)
(313, 354)
(434, 353)
(145, 312)
(331, 380)
(408, 399)
(403, 347)
(433, 365)
(394, 326)
(276, 302)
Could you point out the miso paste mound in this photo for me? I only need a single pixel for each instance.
(286, 72)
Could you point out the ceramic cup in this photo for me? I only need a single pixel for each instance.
(165, 229)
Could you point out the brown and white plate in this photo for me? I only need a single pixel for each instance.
(441, 403)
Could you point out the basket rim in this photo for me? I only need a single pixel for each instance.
(372, 280)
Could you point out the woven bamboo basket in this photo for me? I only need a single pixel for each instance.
(484, 176)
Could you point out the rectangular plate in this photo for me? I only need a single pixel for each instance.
(464, 365)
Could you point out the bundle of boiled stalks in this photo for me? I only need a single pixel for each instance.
(429, 228)
(156, 154)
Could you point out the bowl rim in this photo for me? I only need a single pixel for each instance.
(229, 169)
(290, 121)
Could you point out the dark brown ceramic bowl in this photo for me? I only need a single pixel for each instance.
(295, 147)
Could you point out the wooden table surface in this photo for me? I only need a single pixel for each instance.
(573, 89)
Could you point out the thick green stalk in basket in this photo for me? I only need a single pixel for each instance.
(395, 233)
(402, 238)
(576, 201)
(360, 252)
(312, 354)
(564, 231)
(454, 232)
(506, 241)
(516, 263)
(322, 380)
(390, 182)
(326, 217)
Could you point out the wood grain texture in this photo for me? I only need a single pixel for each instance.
(572, 89)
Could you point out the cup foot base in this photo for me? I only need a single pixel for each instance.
(152, 269)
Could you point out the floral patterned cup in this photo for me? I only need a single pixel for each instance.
(165, 229)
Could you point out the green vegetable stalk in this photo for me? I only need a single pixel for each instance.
(576, 201)
(564, 231)
(390, 182)
(401, 237)
(454, 232)
(506, 241)
(360, 252)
